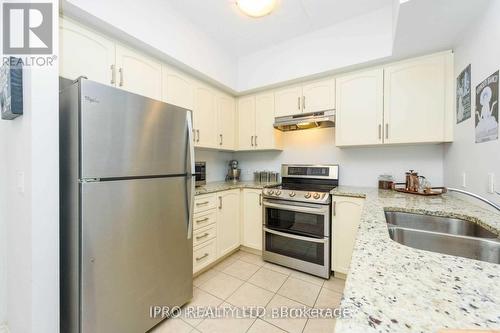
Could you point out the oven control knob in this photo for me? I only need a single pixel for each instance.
(270, 192)
(307, 195)
(316, 196)
(278, 193)
(291, 194)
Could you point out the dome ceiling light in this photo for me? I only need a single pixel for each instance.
(256, 8)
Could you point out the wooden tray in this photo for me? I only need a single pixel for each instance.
(434, 190)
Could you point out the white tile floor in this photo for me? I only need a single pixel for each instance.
(243, 280)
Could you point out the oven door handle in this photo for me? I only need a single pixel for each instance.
(300, 209)
(303, 238)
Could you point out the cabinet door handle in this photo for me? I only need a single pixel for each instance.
(202, 220)
(202, 236)
(113, 74)
(220, 143)
(387, 130)
(202, 203)
(202, 257)
(198, 131)
(380, 131)
(298, 102)
(251, 140)
(334, 208)
(121, 76)
(260, 199)
(220, 202)
(256, 141)
(303, 103)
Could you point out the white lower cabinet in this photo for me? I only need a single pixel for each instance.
(345, 222)
(228, 221)
(204, 255)
(251, 206)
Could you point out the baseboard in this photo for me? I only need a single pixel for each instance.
(4, 328)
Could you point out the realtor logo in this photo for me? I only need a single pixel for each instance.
(27, 28)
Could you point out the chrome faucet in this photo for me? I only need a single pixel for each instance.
(491, 203)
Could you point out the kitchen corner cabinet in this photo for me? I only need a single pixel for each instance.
(251, 205)
(345, 222)
(360, 108)
(177, 88)
(226, 122)
(255, 123)
(418, 99)
(313, 96)
(205, 117)
(137, 73)
(85, 53)
(228, 221)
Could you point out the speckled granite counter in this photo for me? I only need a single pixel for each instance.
(223, 186)
(394, 288)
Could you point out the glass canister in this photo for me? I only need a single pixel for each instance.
(385, 182)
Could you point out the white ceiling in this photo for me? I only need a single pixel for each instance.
(242, 35)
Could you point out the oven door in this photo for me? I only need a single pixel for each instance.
(312, 220)
(297, 235)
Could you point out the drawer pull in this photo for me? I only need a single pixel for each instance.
(202, 257)
(202, 236)
(202, 203)
(202, 220)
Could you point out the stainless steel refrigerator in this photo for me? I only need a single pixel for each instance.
(126, 195)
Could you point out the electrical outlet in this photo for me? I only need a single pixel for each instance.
(464, 180)
(20, 182)
(491, 183)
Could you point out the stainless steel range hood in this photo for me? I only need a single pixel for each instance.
(303, 121)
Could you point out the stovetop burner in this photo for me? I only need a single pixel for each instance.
(306, 183)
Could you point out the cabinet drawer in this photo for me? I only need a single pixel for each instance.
(204, 255)
(203, 219)
(204, 234)
(204, 202)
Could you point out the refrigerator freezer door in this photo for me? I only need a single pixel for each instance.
(128, 135)
(136, 252)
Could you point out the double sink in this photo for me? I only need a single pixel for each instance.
(445, 235)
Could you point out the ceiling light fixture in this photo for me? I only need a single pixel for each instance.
(256, 8)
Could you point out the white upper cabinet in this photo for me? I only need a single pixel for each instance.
(255, 123)
(177, 88)
(318, 95)
(85, 53)
(205, 117)
(226, 119)
(246, 122)
(266, 136)
(138, 73)
(288, 101)
(417, 100)
(360, 108)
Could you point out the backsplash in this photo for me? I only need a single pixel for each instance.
(358, 166)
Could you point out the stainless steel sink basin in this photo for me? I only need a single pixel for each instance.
(445, 225)
(444, 235)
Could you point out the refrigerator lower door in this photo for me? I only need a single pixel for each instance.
(135, 252)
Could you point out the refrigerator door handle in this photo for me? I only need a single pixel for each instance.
(190, 177)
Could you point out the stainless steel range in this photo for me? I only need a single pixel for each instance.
(297, 218)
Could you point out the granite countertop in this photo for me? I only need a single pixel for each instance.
(394, 288)
(213, 187)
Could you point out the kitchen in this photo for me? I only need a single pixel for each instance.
(288, 131)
